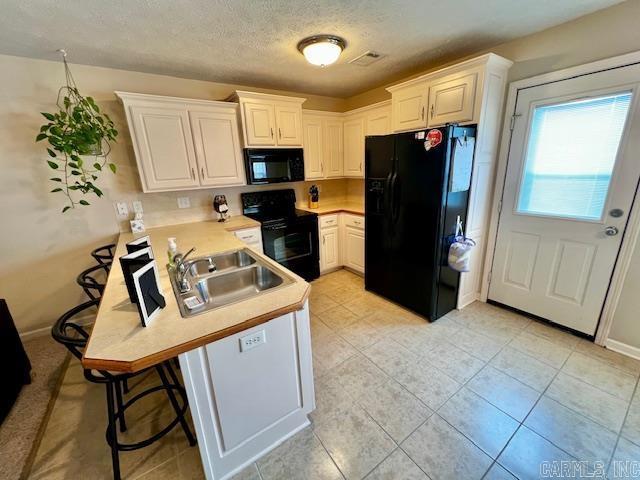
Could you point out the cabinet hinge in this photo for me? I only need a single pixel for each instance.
(513, 120)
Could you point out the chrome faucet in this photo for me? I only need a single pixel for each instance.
(182, 266)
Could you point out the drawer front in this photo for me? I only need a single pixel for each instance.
(328, 220)
(249, 235)
(355, 221)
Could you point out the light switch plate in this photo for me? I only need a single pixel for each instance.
(253, 340)
(137, 206)
(184, 202)
(122, 209)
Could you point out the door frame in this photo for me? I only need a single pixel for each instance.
(632, 230)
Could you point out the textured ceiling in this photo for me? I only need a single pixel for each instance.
(253, 42)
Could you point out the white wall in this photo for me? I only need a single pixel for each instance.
(41, 250)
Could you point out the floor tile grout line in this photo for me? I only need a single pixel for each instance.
(624, 421)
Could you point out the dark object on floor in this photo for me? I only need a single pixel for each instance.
(11, 353)
(75, 338)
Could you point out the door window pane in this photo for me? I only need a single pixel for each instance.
(570, 156)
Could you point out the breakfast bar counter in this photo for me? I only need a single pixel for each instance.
(119, 342)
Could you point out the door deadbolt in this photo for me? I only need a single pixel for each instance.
(611, 231)
(616, 212)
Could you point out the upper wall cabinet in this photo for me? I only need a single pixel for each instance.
(270, 120)
(183, 144)
(323, 144)
(450, 95)
(354, 132)
(452, 99)
(408, 107)
(378, 120)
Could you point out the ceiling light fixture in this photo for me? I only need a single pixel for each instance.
(322, 50)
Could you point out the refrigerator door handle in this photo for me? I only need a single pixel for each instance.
(396, 204)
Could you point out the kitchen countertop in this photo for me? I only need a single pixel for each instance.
(336, 207)
(118, 341)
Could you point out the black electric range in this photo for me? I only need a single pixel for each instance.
(289, 235)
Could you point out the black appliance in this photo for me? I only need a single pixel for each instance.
(289, 235)
(273, 165)
(416, 186)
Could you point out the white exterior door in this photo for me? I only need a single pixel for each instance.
(570, 183)
(217, 144)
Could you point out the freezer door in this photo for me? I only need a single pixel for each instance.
(418, 192)
(379, 161)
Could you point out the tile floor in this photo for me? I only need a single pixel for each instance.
(481, 393)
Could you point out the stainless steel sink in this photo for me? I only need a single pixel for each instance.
(220, 263)
(239, 275)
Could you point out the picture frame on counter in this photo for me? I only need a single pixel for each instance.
(130, 264)
(148, 292)
(139, 244)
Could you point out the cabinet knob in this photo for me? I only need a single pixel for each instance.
(202, 172)
(432, 108)
(422, 113)
(279, 132)
(272, 133)
(193, 174)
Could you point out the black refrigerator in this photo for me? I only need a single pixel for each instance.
(416, 187)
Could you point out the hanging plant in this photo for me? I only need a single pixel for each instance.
(79, 137)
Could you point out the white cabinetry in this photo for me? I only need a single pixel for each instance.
(322, 134)
(452, 99)
(408, 106)
(270, 120)
(329, 233)
(378, 121)
(354, 146)
(471, 92)
(251, 236)
(353, 241)
(183, 144)
(245, 402)
(341, 242)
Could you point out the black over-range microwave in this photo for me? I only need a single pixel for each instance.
(273, 165)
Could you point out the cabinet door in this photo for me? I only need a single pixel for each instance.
(313, 142)
(452, 100)
(379, 121)
(164, 146)
(408, 107)
(354, 249)
(217, 144)
(259, 124)
(289, 123)
(332, 152)
(329, 249)
(354, 147)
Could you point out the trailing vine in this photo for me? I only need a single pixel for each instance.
(79, 137)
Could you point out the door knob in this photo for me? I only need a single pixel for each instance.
(611, 231)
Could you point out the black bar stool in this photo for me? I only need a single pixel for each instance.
(104, 254)
(74, 337)
(93, 280)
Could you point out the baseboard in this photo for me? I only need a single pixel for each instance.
(82, 320)
(623, 348)
(38, 332)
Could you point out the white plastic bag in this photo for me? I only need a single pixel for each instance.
(460, 250)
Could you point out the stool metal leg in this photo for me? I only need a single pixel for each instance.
(113, 434)
(125, 385)
(175, 405)
(122, 421)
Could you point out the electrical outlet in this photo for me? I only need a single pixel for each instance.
(184, 202)
(319, 185)
(137, 206)
(122, 209)
(252, 341)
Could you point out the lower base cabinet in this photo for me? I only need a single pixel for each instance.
(246, 401)
(341, 242)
